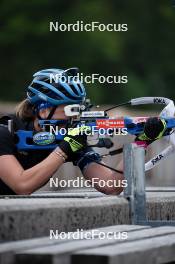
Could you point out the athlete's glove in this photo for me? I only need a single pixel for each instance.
(74, 141)
(154, 128)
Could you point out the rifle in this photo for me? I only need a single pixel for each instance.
(30, 140)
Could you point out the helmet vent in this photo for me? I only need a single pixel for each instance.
(74, 89)
(79, 86)
(63, 90)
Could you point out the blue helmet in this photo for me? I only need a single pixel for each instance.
(56, 87)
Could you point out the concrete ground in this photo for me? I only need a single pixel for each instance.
(24, 217)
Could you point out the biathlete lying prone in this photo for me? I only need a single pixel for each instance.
(25, 172)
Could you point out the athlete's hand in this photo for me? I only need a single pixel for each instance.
(154, 129)
(74, 141)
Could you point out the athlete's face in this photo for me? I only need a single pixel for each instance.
(59, 113)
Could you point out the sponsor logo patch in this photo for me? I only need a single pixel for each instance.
(43, 138)
(110, 123)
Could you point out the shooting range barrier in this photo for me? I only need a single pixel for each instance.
(26, 223)
(134, 169)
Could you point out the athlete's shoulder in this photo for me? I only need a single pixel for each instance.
(4, 124)
(16, 122)
(4, 132)
(7, 144)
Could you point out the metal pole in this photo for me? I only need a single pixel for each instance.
(127, 160)
(134, 170)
